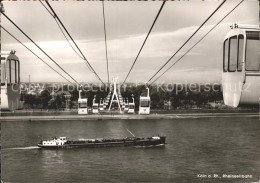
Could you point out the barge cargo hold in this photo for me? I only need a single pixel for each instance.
(62, 142)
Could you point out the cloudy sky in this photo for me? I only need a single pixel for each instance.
(127, 24)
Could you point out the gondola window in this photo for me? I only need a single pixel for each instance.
(225, 56)
(240, 52)
(252, 51)
(232, 54)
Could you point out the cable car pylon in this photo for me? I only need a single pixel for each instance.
(115, 95)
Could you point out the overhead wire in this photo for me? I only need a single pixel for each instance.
(187, 40)
(38, 46)
(33, 53)
(87, 62)
(196, 43)
(104, 20)
(145, 40)
(61, 30)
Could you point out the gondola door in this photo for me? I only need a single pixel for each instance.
(233, 69)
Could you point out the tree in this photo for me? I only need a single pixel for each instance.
(52, 104)
(155, 100)
(74, 94)
(29, 100)
(58, 101)
(45, 98)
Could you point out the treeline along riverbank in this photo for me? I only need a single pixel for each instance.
(164, 96)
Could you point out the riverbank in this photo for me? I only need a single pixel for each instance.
(113, 116)
(42, 112)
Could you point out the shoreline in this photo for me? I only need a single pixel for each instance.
(126, 116)
(39, 112)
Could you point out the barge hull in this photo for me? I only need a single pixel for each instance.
(142, 143)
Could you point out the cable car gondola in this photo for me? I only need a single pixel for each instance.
(126, 105)
(131, 106)
(10, 82)
(82, 104)
(95, 106)
(144, 106)
(241, 63)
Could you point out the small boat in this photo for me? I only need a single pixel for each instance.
(62, 142)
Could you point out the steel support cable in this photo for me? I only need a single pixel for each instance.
(82, 57)
(68, 39)
(197, 42)
(64, 34)
(104, 20)
(47, 9)
(187, 40)
(56, 16)
(61, 30)
(33, 53)
(145, 40)
(38, 46)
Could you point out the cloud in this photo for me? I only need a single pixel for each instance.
(122, 51)
(158, 44)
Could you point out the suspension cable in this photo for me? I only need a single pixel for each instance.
(197, 42)
(38, 46)
(61, 30)
(145, 40)
(33, 52)
(187, 40)
(104, 20)
(56, 16)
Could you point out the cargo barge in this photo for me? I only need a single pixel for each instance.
(62, 142)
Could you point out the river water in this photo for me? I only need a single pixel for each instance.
(195, 148)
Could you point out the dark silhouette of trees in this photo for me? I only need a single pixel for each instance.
(45, 98)
(30, 100)
(181, 96)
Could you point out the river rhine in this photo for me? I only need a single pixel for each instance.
(195, 147)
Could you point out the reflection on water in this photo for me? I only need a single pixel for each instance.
(194, 146)
(23, 148)
(52, 157)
